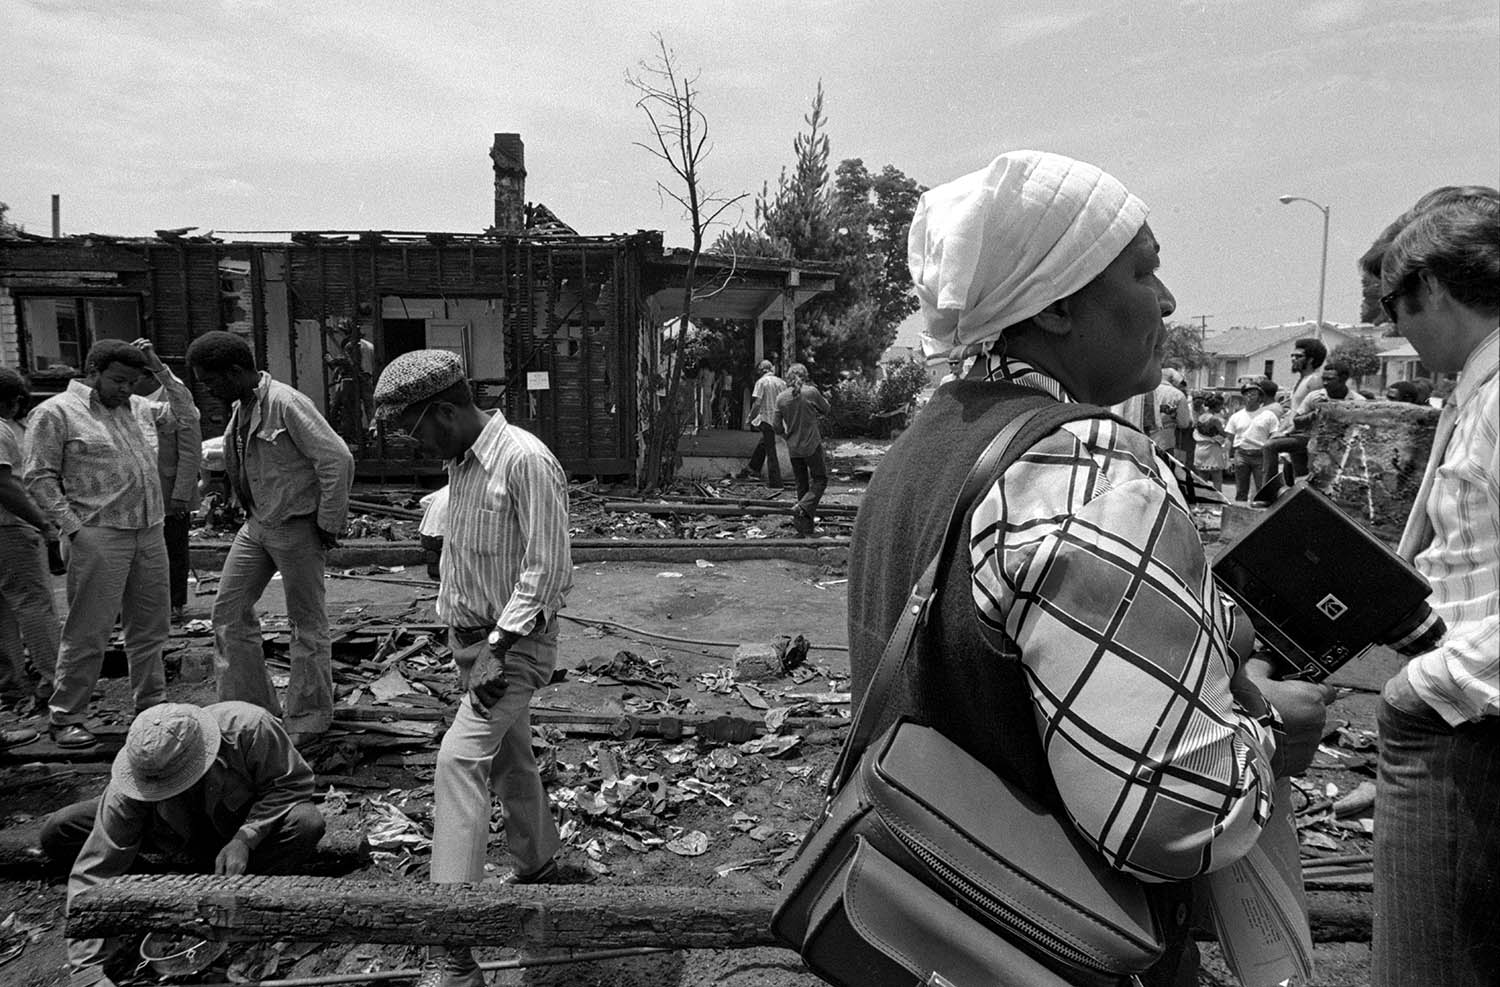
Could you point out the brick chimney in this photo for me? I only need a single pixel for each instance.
(509, 155)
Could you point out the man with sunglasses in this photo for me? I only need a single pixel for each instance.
(291, 473)
(1292, 434)
(1437, 847)
(506, 569)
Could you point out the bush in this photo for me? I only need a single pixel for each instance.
(851, 408)
(903, 381)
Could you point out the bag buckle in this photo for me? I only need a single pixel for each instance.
(935, 979)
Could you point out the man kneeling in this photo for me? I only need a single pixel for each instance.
(220, 785)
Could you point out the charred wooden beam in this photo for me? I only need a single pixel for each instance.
(411, 912)
(734, 510)
(535, 917)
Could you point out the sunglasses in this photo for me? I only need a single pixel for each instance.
(1388, 304)
(1389, 299)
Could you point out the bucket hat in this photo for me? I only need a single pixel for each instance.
(169, 747)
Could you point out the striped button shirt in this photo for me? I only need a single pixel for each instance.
(1086, 556)
(1461, 679)
(87, 464)
(506, 558)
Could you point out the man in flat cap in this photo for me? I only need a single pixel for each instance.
(763, 417)
(291, 472)
(221, 785)
(506, 569)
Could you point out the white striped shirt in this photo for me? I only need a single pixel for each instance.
(1461, 679)
(506, 557)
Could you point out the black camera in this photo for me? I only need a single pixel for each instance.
(1320, 589)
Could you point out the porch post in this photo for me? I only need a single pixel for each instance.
(789, 321)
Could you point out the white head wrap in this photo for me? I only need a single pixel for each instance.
(995, 247)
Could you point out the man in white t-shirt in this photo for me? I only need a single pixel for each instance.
(1249, 430)
(763, 416)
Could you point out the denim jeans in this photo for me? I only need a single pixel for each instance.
(27, 617)
(113, 572)
(259, 551)
(766, 453)
(812, 479)
(1249, 474)
(1294, 446)
(1437, 851)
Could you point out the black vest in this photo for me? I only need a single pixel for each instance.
(975, 696)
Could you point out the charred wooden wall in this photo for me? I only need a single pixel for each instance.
(573, 309)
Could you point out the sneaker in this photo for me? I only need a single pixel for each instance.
(177, 615)
(545, 874)
(73, 735)
(456, 969)
(744, 474)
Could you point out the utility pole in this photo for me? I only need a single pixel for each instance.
(1203, 341)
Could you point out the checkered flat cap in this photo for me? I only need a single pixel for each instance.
(413, 377)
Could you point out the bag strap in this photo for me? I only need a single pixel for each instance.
(1040, 417)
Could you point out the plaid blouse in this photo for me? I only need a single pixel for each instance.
(1086, 557)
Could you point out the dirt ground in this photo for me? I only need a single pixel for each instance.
(771, 796)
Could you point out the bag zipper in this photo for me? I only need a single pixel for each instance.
(1007, 915)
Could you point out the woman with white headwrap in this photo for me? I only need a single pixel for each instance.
(1085, 652)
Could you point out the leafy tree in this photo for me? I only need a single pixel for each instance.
(857, 223)
(876, 211)
(1185, 345)
(1360, 355)
(6, 226)
(798, 217)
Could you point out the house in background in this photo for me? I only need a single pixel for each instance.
(1399, 361)
(1266, 351)
(560, 331)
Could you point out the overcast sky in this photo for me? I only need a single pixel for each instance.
(254, 115)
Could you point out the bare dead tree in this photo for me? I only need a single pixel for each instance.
(680, 131)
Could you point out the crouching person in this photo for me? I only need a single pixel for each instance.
(221, 786)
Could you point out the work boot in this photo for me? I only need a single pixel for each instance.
(73, 735)
(451, 968)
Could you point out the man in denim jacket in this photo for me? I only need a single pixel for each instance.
(290, 471)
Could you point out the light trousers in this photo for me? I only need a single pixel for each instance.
(259, 552)
(27, 618)
(485, 755)
(113, 572)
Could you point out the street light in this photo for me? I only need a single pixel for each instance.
(1287, 200)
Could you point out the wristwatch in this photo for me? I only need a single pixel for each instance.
(495, 637)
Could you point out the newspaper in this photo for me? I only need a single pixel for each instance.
(1260, 909)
